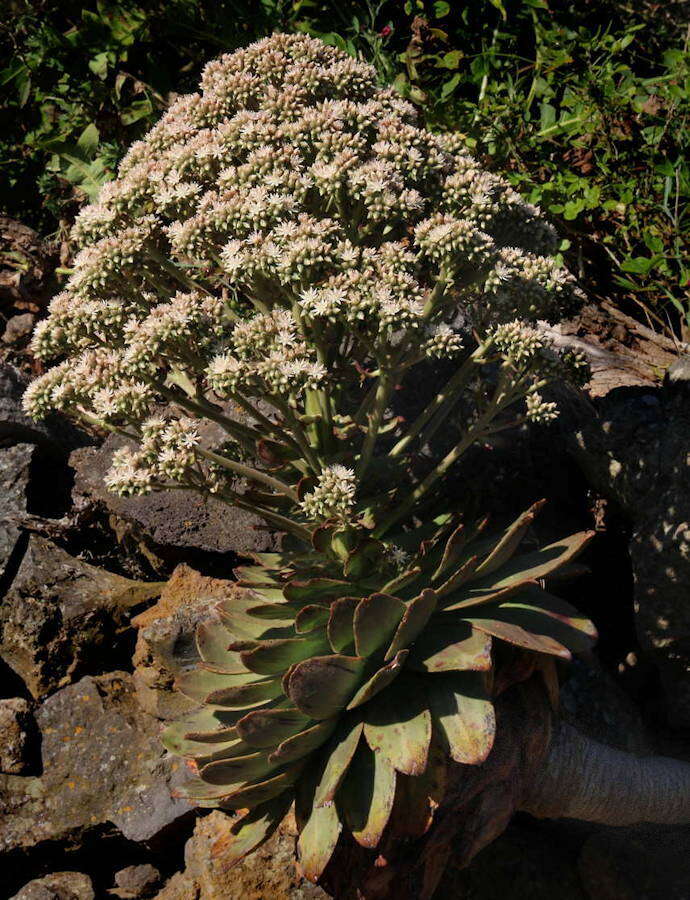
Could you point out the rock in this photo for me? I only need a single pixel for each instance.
(18, 329)
(641, 863)
(15, 720)
(636, 454)
(58, 886)
(529, 861)
(61, 616)
(173, 520)
(15, 463)
(165, 642)
(594, 703)
(54, 432)
(136, 881)
(102, 763)
(269, 872)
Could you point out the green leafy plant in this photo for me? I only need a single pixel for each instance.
(277, 256)
(349, 693)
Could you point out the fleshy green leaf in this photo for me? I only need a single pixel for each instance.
(510, 541)
(376, 619)
(447, 645)
(319, 827)
(305, 742)
(310, 617)
(398, 725)
(340, 752)
(322, 685)
(540, 563)
(238, 769)
(340, 624)
(366, 796)
(274, 657)
(268, 728)
(200, 682)
(316, 589)
(212, 641)
(414, 620)
(254, 794)
(244, 695)
(464, 715)
(380, 680)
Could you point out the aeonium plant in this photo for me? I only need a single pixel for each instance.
(292, 244)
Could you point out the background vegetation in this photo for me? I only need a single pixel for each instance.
(584, 103)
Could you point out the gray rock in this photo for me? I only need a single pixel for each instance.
(15, 719)
(61, 616)
(58, 886)
(15, 465)
(136, 881)
(55, 432)
(173, 520)
(102, 763)
(636, 453)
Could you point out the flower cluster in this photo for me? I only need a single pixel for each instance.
(289, 230)
(333, 496)
(166, 453)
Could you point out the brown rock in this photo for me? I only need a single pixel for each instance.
(62, 616)
(165, 644)
(102, 763)
(268, 873)
(15, 718)
(136, 881)
(642, 863)
(58, 886)
(172, 520)
(18, 328)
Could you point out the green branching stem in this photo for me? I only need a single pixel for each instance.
(175, 272)
(504, 395)
(442, 404)
(282, 523)
(249, 473)
(384, 389)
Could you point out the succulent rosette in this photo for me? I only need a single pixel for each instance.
(325, 684)
(279, 255)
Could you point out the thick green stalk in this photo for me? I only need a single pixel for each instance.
(383, 392)
(442, 404)
(479, 429)
(248, 472)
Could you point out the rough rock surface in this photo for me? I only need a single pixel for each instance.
(15, 465)
(637, 453)
(15, 720)
(643, 863)
(136, 881)
(268, 873)
(174, 520)
(102, 763)
(61, 616)
(58, 886)
(165, 642)
(594, 703)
